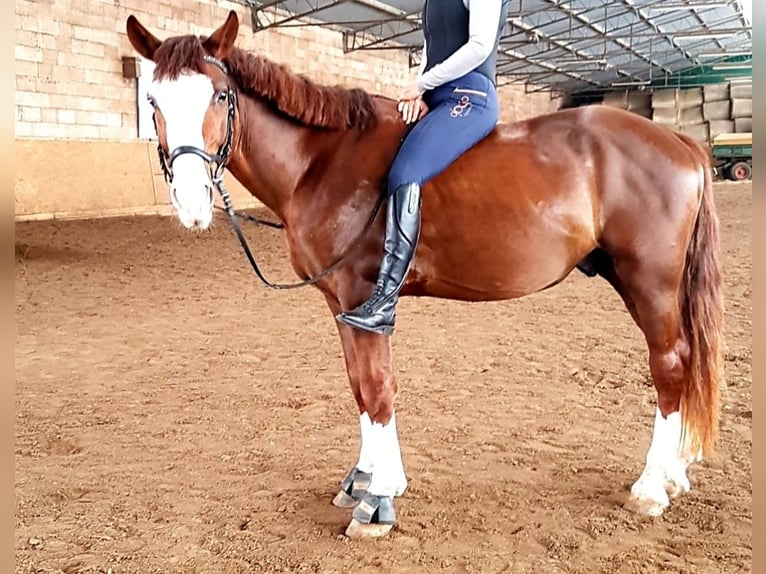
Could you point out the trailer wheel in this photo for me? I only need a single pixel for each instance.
(741, 170)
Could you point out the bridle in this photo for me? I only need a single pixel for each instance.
(216, 164)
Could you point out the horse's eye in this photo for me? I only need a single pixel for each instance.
(222, 95)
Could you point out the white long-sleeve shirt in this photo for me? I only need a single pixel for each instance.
(483, 20)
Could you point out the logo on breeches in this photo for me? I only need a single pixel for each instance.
(461, 108)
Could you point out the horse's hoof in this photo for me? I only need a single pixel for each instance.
(644, 506)
(344, 500)
(676, 489)
(352, 488)
(374, 516)
(357, 530)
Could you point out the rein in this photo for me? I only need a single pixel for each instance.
(216, 165)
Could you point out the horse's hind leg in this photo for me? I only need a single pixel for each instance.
(650, 292)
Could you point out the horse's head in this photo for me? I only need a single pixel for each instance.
(194, 104)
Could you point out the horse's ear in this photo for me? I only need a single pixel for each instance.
(220, 42)
(142, 39)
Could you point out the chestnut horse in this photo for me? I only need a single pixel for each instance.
(592, 188)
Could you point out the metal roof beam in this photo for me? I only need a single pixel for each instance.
(608, 8)
(265, 15)
(519, 56)
(382, 7)
(694, 6)
(377, 34)
(563, 42)
(568, 65)
(668, 36)
(738, 9)
(535, 78)
(602, 31)
(269, 14)
(381, 32)
(624, 27)
(531, 30)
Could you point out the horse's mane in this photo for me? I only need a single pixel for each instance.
(294, 95)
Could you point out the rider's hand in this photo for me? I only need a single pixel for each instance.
(411, 106)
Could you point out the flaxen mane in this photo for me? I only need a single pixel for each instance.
(296, 96)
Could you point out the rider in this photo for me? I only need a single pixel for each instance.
(456, 82)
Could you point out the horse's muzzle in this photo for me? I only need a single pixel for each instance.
(193, 205)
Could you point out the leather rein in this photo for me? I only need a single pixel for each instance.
(217, 163)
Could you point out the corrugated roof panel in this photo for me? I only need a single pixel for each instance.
(556, 44)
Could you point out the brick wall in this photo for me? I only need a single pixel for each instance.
(515, 104)
(69, 83)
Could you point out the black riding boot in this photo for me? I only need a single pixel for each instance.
(378, 313)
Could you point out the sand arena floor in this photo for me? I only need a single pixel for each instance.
(174, 415)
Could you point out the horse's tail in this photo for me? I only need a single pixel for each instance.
(701, 302)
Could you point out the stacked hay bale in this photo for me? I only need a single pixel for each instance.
(681, 110)
(640, 102)
(717, 109)
(636, 101)
(616, 99)
(665, 107)
(742, 107)
(704, 113)
(691, 117)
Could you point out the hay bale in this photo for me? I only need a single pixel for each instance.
(665, 116)
(715, 92)
(690, 98)
(643, 112)
(639, 100)
(741, 108)
(691, 116)
(665, 98)
(743, 125)
(717, 110)
(718, 127)
(700, 132)
(743, 91)
(616, 99)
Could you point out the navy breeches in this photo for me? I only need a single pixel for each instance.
(461, 113)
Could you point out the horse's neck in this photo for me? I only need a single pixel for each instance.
(266, 159)
(273, 155)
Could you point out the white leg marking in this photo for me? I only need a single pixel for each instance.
(388, 478)
(665, 470)
(367, 447)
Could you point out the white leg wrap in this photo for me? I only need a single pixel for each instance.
(388, 478)
(367, 447)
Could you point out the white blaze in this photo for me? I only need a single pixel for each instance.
(183, 103)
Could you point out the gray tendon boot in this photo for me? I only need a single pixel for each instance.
(378, 313)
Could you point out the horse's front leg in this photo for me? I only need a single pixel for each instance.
(378, 475)
(374, 513)
(357, 481)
